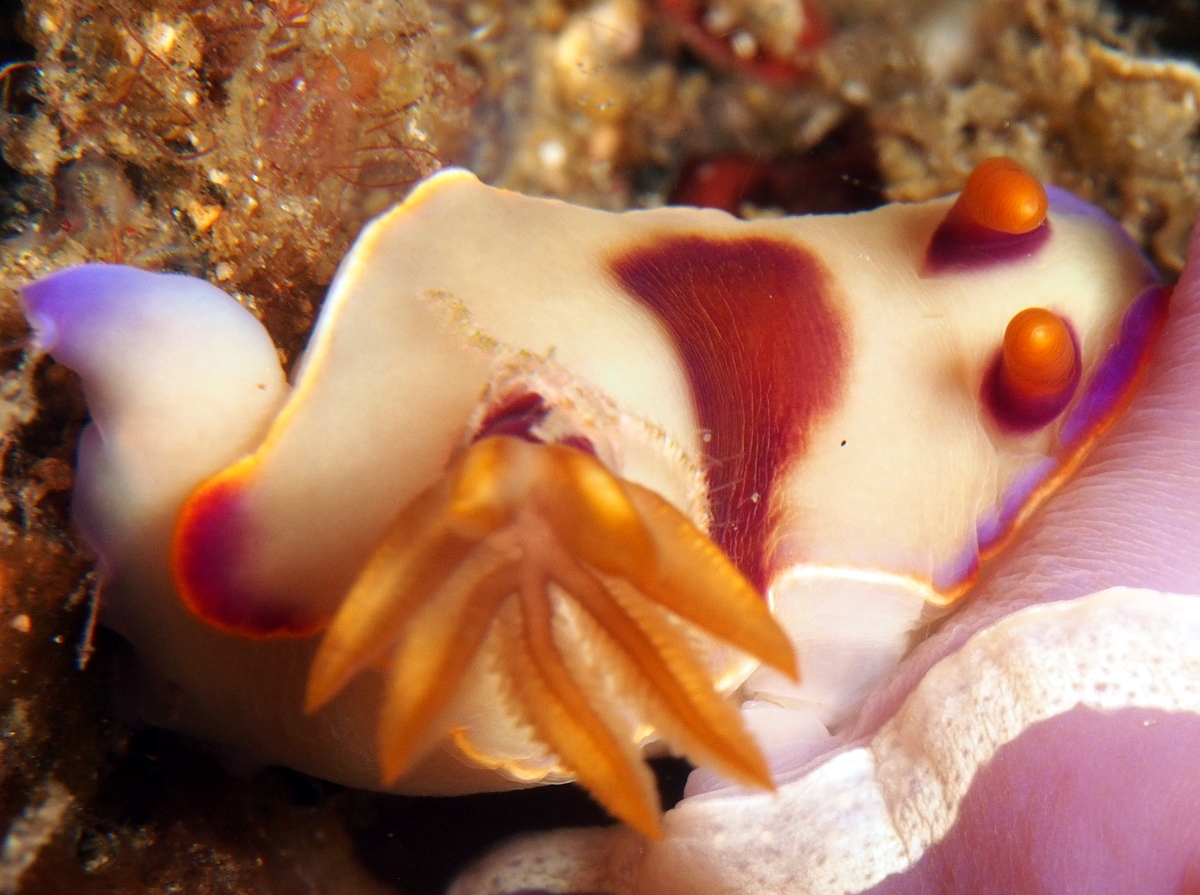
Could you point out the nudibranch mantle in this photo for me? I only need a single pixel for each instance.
(563, 313)
(134, 472)
(809, 391)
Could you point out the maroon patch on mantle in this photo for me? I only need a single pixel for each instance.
(766, 353)
(209, 547)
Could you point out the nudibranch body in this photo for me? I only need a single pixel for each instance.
(516, 419)
(1046, 738)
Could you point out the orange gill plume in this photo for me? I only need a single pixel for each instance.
(482, 563)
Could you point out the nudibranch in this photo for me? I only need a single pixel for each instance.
(549, 480)
(1046, 738)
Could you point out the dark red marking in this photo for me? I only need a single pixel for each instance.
(208, 546)
(1019, 413)
(766, 353)
(961, 244)
(517, 415)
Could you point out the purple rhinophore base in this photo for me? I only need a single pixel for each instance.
(1020, 415)
(958, 245)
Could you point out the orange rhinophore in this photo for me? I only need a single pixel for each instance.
(999, 217)
(1002, 196)
(1040, 355)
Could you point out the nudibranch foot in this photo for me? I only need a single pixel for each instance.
(480, 567)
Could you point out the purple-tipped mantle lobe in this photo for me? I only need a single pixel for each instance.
(1081, 800)
(94, 318)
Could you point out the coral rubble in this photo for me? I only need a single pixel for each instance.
(246, 141)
